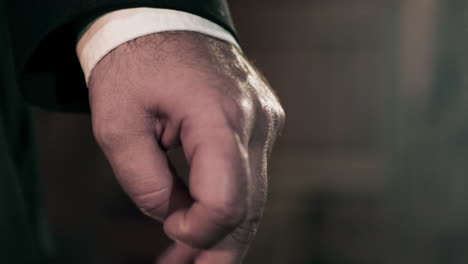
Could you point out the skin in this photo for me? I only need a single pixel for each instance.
(184, 89)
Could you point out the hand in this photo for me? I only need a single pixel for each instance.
(163, 90)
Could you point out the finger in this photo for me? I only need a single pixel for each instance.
(218, 184)
(142, 168)
(178, 253)
(228, 251)
(232, 249)
(215, 256)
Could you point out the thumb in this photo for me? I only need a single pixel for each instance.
(140, 165)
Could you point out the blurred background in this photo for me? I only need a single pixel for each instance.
(372, 165)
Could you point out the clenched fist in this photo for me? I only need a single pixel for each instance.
(185, 89)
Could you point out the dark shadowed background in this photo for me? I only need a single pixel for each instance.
(372, 165)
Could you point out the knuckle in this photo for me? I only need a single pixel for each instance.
(108, 133)
(153, 204)
(154, 200)
(227, 216)
(244, 233)
(273, 115)
(279, 118)
(156, 211)
(237, 111)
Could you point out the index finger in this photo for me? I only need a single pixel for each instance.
(218, 183)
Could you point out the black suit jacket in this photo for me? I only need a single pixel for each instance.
(38, 65)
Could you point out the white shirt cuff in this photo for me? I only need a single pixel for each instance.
(117, 27)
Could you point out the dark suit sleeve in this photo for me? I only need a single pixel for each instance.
(44, 34)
